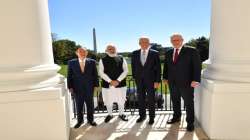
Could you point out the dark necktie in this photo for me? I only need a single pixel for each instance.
(176, 56)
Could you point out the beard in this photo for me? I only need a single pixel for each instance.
(111, 55)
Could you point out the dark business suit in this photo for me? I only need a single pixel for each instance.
(83, 84)
(145, 76)
(180, 75)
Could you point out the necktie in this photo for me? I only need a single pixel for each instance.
(143, 57)
(176, 56)
(82, 65)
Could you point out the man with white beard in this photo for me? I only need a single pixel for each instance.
(113, 70)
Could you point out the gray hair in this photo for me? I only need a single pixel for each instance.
(176, 35)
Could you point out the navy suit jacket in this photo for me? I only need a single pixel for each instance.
(186, 69)
(151, 71)
(82, 82)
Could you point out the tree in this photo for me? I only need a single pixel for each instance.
(64, 50)
(202, 45)
(93, 55)
(155, 46)
(162, 50)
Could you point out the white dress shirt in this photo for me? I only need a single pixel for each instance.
(146, 54)
(179, 50)
(82, 61)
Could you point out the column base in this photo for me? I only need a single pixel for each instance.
(40, 114)
(222, 109)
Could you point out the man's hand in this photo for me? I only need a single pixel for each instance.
(194, 84)
(114, 83)
(165, 81)
(156, 85)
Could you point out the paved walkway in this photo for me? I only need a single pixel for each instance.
(119, 130)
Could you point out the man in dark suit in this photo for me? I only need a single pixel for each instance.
(82, 79)
(146, 71)
(182, 71)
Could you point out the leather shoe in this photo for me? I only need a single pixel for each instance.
(140, 119)
(78, 124)
(190, 127)
(151, 121)
(123, 117)
(108, 118)
(174, 120)
(92, 123)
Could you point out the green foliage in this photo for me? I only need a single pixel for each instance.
(63, 71)
(64, 50)
(125, 54)
(202, 45)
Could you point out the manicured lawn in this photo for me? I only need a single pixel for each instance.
(63, 70)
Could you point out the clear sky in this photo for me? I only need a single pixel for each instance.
(122, 22)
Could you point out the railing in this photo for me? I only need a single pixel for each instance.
(162, 99)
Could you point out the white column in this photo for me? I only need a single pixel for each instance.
(33, 99)
(222, 101)
(229, 43)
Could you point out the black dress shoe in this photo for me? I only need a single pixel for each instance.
(174, 120)
(140, 119)
(78, 124)
(92, 123)
(151, 121)
(123, 117)
(108, 118)
(190, 127)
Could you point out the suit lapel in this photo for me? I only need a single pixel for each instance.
(171, 56)
(183, 50)
(78, 66)
(139, 57)
(86, 64)
(147, 59)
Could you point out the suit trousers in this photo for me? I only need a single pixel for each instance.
(187, 93)
(89, 101)
(146, 92)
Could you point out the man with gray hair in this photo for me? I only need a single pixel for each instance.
(146, 70)
(182, 72)
(113, 71)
